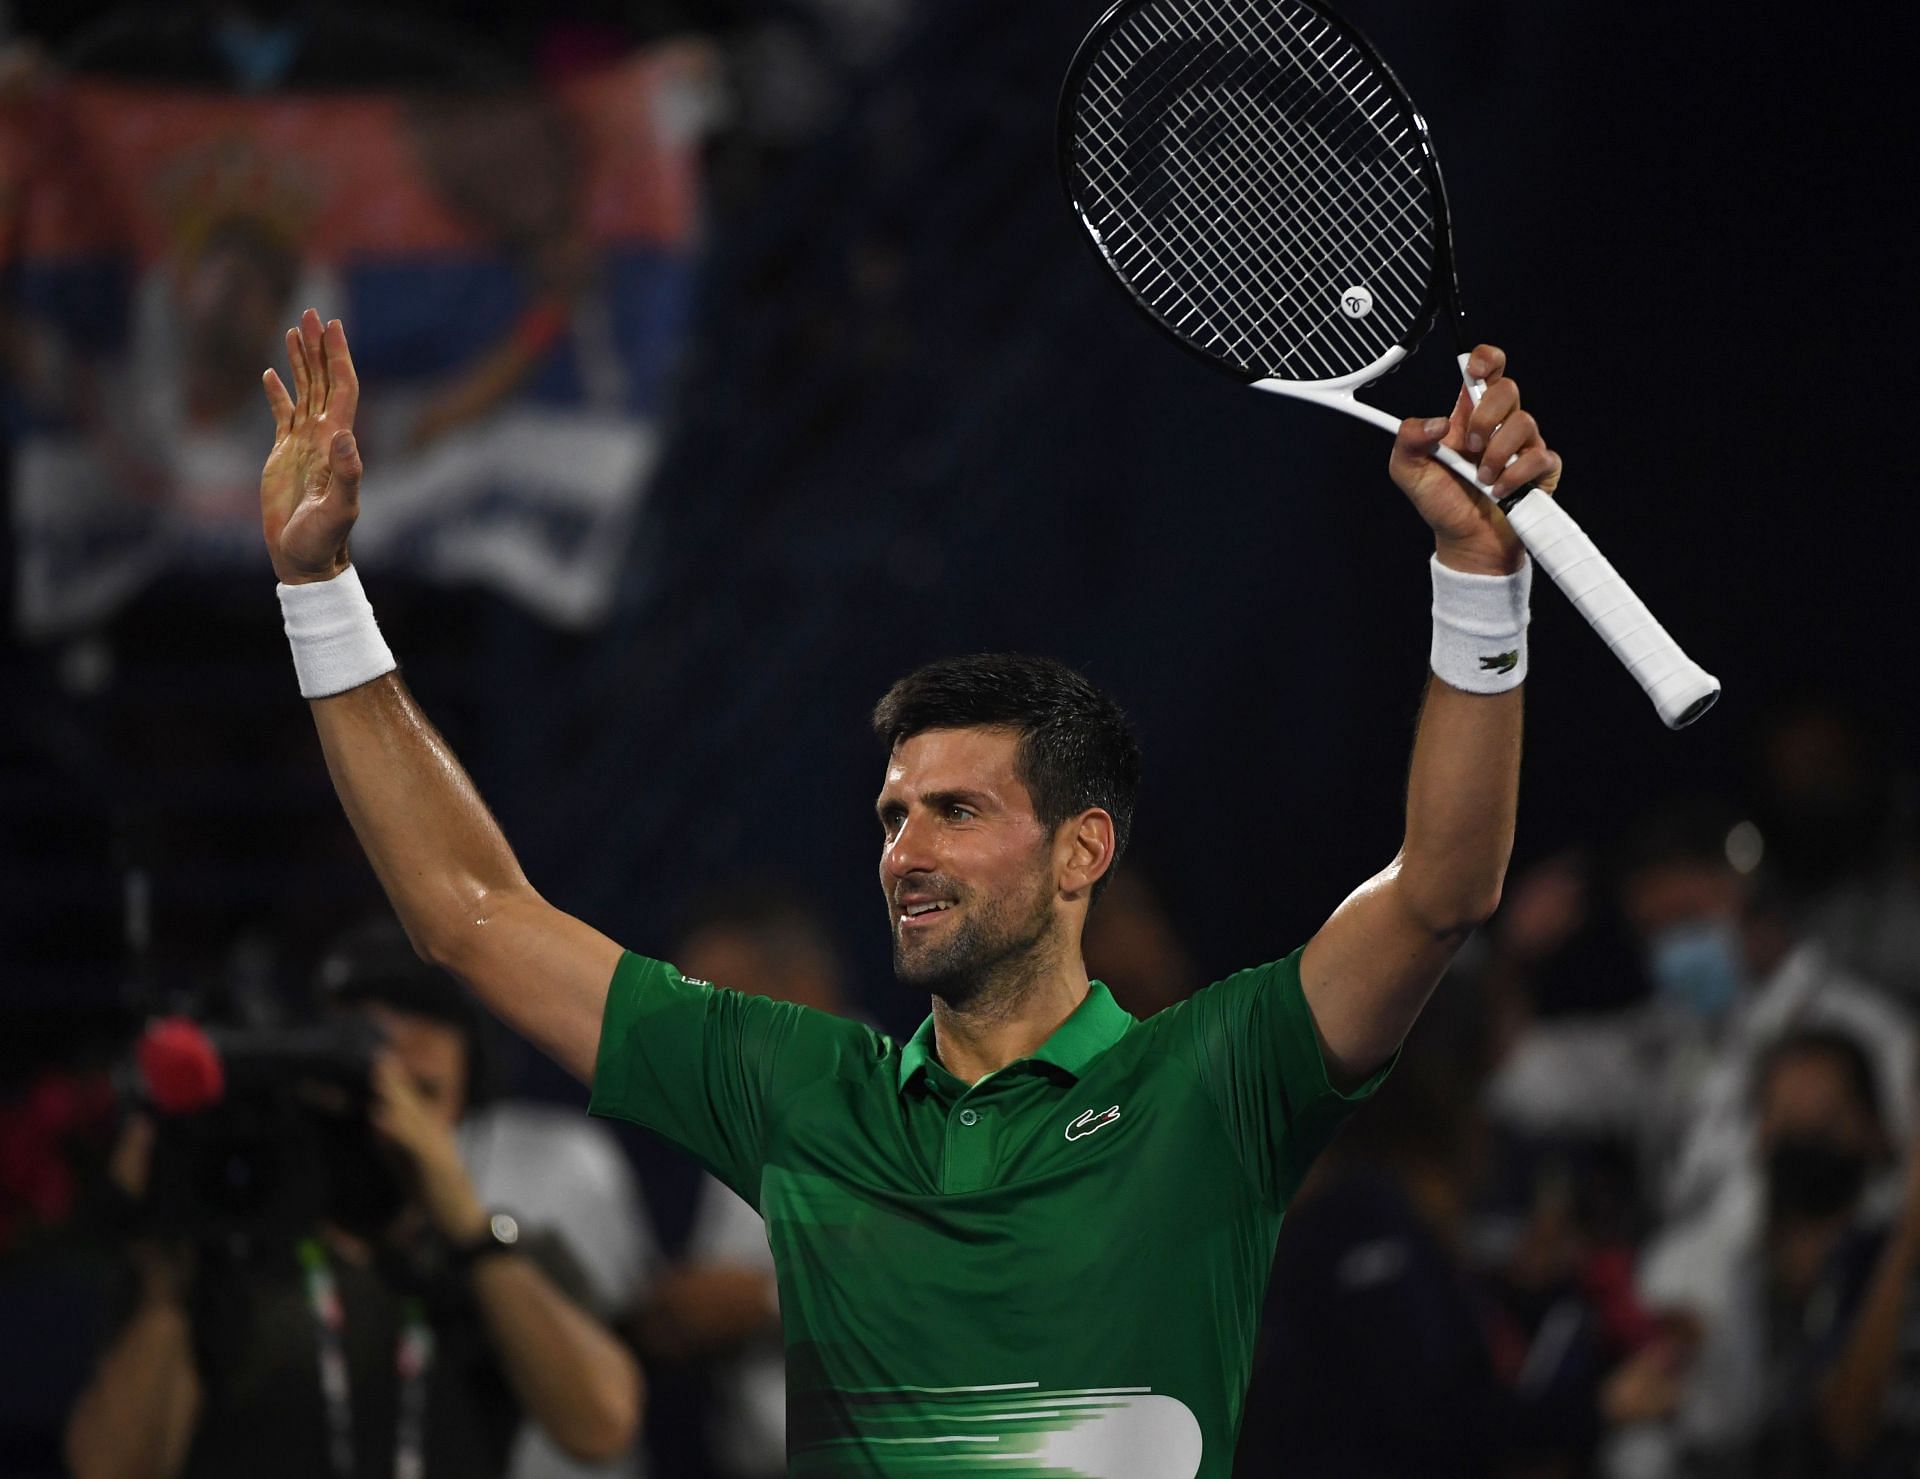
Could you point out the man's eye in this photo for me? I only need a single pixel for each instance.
(958, 812)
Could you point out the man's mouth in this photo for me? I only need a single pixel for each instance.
(920, 914)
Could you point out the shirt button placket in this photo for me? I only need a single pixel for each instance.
(969, 1161)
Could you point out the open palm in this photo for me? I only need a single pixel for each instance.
(310, 487)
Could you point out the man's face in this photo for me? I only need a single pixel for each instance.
(1808, 1096)
(772, 966)
(1660, 896)
(959, 834)
(434, 1054)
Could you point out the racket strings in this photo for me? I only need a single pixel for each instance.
(1346, 72)
(1280, 212)
(1249, 234)
(1343, 187)
(1242, 170)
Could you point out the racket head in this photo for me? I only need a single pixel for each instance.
(1257, 179)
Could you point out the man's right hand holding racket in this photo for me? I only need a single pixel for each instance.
(1470, 533)
(447, 869)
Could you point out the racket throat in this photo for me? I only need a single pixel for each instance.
(1338, 400)
(1339, 395)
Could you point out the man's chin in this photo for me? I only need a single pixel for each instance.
(922, 968)
(915, 966)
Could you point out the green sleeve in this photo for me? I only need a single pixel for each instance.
(1250, 1039)
(706, 1068)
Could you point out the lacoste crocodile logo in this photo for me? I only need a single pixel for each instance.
(1501, 662)
(1091, 1121)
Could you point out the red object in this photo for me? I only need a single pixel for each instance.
(64, 1103)
(1607, 1280)
(180, 1066)
(540, 327)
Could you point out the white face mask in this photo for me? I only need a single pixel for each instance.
(1697, 966)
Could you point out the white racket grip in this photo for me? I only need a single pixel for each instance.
(1476, 387)
(1680, 688)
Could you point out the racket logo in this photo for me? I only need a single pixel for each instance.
(1356, 302)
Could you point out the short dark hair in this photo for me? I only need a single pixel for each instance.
(374, 962)
(1840, 1048)
(1077, 749)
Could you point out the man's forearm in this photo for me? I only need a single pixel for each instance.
(572, 1376)
(1851, 1401)
(706, 1309)
(136, 1418)
(1463, 790)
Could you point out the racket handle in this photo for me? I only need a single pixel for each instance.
(1680, 688)
(1476, 387)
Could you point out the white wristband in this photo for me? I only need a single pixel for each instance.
(336, 642)
(1480, 628)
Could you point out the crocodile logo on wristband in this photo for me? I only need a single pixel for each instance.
(1500, 662)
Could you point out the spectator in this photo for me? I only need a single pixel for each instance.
(576, 1186)
(402, 1330)
(721, 1304)
(1504, 1372)
(565, 1179)
(1671, 1076)
(1805, 1365)
(1840, 827)
(1132, 946)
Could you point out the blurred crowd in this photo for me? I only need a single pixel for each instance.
(1643, 1197)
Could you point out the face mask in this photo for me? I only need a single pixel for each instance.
(1696, 966)
(260, 56)
(1810, 1176)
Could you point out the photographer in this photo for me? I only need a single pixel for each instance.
(402, 1330)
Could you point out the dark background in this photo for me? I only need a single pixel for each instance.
(916, 420)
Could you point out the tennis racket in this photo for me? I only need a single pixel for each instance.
(1260, 183)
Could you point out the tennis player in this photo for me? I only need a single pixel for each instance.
(1033, 1238)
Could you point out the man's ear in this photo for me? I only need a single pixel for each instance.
(1083, 850)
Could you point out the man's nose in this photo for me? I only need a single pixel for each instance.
(910, 851)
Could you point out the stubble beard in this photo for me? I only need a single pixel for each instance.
(992, 955)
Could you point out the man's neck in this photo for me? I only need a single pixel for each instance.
(1007, 1020)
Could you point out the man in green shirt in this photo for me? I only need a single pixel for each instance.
(1032, 1239)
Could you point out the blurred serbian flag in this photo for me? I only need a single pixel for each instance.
(514, 270)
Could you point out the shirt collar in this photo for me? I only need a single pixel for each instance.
(1090, 1029)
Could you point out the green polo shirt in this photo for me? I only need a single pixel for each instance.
(1055, 1271)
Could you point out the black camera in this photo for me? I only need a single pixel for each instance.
(282, 1143)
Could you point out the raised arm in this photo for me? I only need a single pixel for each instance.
(1370, 968)
(436, 848)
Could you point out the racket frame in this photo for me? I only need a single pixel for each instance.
(1680, 688)
(1443, 279)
